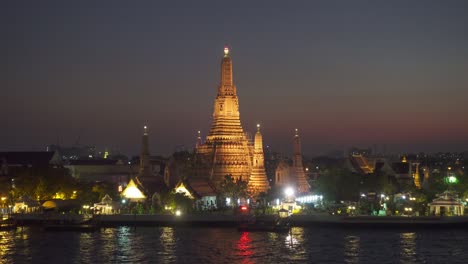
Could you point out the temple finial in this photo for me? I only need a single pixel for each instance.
(226, 51)
(145, 130)
(258, 127)
(296, 131)
(199, 141)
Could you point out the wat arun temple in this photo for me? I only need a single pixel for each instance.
(227, 149)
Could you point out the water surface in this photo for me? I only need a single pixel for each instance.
(227, 245)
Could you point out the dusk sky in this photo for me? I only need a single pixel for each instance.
(345, 73)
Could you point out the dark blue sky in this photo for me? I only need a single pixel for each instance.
(343, 72)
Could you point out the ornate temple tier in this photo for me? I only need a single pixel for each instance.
(258, 180)
(226, 150)
(301, 181)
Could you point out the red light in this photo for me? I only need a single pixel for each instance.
(243, 208)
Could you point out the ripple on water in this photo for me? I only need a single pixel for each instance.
(226, 245)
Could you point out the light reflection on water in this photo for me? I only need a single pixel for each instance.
(408, 247)
(226, 245)
(351, 249)
(244, 247)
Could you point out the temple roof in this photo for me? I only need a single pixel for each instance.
(198, 188)
(446, 198)
(132, 192)
(361, 164)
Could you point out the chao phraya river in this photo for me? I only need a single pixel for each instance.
(227, 245)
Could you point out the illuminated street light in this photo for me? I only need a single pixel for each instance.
(452, 179)
(178, 212)
(289, 191)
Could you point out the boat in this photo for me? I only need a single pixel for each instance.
(71, 227)
(85, 226)
(269, 223)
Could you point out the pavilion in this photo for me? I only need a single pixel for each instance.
(446, 204)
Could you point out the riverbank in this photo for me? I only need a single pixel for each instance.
(232, 221)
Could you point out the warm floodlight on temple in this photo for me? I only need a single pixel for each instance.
(132, 193)
(227, 150)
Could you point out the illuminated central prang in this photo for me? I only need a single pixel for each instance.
(226, 150)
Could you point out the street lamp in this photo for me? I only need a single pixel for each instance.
(289, 191)
(408, 210)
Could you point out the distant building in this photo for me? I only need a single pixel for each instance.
(74, 152)
(30, 159)
(405, 171)
(117, 172)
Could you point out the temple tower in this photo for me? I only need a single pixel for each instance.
(298, 169)
(145, 164)
(282, 174)
(258, 180)
(416, 176)
(199, 140)
(226, 148)
(425, 184)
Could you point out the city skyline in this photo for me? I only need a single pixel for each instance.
(345, 74)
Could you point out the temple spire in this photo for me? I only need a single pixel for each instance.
(416, 177)
(258, 143)
(301, 181)
(258, 181)
(297, 145)
(226, 149)
(226, 87)
(199, 140)
(145, 166)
